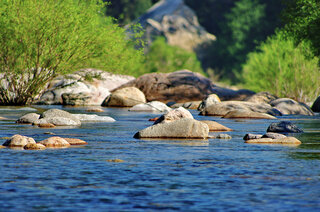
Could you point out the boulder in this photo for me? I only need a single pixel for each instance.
(273, 135)
(262, 97)
(251, 136)
(290, 107)
(29, 118)
(247, 114)
(286, 140)
(58, 118)
(46, 125)
(55, 142)
(184, 128)
(154, 106)
(316, 105)
(210, 100)
(178, 24)
(284, 127)
(92, 85)
(215, 126)
(188, 105)
(222, 108)
(75, 141)
(18, 141)
(93, 118)
(174, 115)
(125, 97)
(180, 86)
(34, 146)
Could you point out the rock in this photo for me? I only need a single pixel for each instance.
(174, 115)
(180, 86)
(75, 141)
(154, 119)
(273, 135)
(215, 126)
(93, 118)
(2, 147)
(262, 97)
(188, 105)
(58, 118)
(286, 140)
(125, 97)
(18, 141)
(34, 146)
(221, 109)
(210, 100)
(251, 136)
(154, 106)
(316, 105)
(247, 114)
(46, 125)
(76, 99)
(2, 118)
(55, 142)
(95, 110)
(290, 107)
(178, 24)
(183, 128)
(223, 136)
(284, 127)
(115, 160)
(94, 83)
(29, 118)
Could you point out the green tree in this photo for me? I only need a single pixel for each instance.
(42, 39)
(303, 22)
(162, 57)
(280, 67)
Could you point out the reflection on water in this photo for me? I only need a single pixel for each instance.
(185, 175)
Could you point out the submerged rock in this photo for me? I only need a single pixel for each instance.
(75, 141)
(93, 118)
(284, 127)
(34, 146)
(125, 97)
(222, 136)
(18, 141)
(183, 128)
(247, 114)
(250, 136)
(286, 140)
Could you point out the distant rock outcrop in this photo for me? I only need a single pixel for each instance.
(178, 23)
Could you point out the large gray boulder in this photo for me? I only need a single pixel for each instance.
(181, 86)
(85, 87)
(178, 24)
(125, 97)
(291, 107)
(183, 128)
(29, 118)
(58, 118)
(223, 108)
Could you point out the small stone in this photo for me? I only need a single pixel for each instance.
(273, 135)
(36, 146)
(49, 133)
(223, 136)
(95, 110)
(251, 136)
(75, 141)
(115, 160)
(2, 147)
(154, 119)
(55, 142)
(46, 125)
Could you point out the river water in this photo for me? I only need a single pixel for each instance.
(168, 175)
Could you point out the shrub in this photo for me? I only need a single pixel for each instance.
(278, 66)
(42, 39)
(162, 57)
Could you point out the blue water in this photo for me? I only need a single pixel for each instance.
(167, 175)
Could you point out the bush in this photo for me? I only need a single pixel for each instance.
(283, 69)
(162, 57)
(42, 39)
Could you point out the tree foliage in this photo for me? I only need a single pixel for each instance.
(280, 67)
(303, 22)
(42, 39)
(162, 57)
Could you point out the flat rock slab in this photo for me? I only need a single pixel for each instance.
(247, 114)
(75, 141)
(215, 126)
(183, 128)
(287, 140)
(93, 118)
